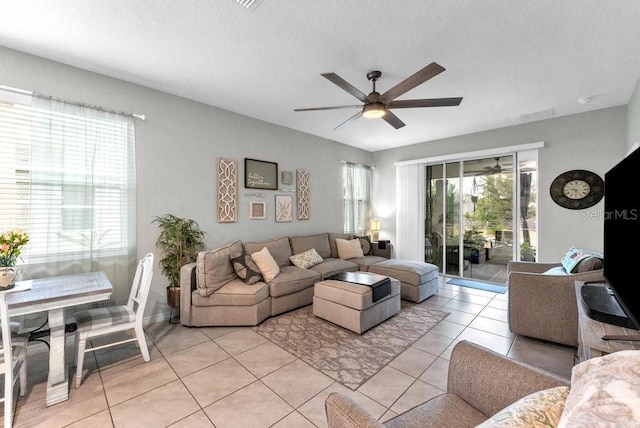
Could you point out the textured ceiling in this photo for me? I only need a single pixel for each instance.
(512, 61)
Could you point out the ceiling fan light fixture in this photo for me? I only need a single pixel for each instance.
(374, 111)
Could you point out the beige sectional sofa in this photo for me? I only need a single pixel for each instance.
(212, 293)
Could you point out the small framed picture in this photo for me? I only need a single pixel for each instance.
(284, 208)
(287, 177)
(257, 210)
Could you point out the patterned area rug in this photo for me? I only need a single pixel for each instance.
(348, 357)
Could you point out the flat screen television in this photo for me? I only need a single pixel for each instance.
(617, 302)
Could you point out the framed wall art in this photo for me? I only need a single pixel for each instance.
(302, 194)
(287, 177)
(257, 210)
(260, 174)
(284, 208)
(227, 190)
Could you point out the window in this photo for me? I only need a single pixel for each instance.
(357, 197)
(67, 178)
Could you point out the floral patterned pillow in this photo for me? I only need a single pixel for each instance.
(540, 409)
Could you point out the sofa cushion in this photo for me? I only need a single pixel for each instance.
(291, 280)
(365, 262)
(605, 391)
(407, 271)
(245, 268)
(279, 249)
(214, 269)
(539, 409)
(332, 242)
(266, 263)
(575, 256)
(558, 270)
(333, 266)
(320, 242)
(349, 249)
(306, 259)
(234, 293)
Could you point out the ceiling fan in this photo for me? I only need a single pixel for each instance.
(496, 169)
(376, 105)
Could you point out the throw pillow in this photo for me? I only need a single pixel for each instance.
(365, 244)
(266, 263)
(349, 249)
(245, 268)
(540, 409)
(575, 255)
(306, 259)
(605, 391)
(589, 264)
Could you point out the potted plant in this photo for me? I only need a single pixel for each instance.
(474, 243)
(527, 252)
(180, 240)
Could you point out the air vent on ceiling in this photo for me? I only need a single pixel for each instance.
(539, 115)
(248, 4)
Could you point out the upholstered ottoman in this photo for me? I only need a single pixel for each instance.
(351, 305)
(419, 280)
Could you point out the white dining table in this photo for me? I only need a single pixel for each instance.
(53, 295)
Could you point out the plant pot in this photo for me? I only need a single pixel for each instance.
(7, 277)
(173, 297)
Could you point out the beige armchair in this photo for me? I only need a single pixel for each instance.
(544, 306)
(480, 383)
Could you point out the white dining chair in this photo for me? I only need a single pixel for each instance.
(111, 319)
(13, 362)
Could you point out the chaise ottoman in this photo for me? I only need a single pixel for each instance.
(419, 280)
(352, 306)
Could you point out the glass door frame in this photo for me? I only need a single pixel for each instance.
(517, 152)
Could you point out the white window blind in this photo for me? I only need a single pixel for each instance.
(67, 178)
(357, 198)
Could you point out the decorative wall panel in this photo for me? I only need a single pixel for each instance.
(302, 194)
(227, 190)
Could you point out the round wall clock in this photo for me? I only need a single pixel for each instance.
(577, 189)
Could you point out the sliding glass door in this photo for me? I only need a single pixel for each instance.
(473, 208)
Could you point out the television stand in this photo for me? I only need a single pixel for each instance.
(630, 337)
(591, 333)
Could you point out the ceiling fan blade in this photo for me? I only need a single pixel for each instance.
(348, 121)
(393, 120)
(334, 78)
(411, 82)
(429, 102)
(326, 108)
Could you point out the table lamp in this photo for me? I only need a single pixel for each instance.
(376, 225)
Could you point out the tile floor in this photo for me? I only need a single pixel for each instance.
(233, 377)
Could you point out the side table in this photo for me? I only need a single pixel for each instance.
(590, 332)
